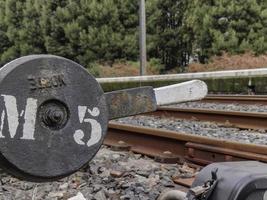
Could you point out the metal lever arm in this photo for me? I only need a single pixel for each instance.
(135, 101)
(181, 92)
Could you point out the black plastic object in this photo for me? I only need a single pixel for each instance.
(235, 181)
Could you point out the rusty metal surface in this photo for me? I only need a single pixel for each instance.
(150, 145)
(206, 154)
(134, 101)
(187, 182)
(247, 120)
(198, 149)
(241, 99)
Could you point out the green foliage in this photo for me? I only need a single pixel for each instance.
(227, 25)
(93, 68)
(156, 65)
(166, 34)
(90, 31)
(4, 40)
(81, 30)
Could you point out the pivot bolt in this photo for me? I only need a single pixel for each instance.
(53, 114)
(53, 117)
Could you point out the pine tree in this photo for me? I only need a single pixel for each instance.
(128, 19)
(91, 30)
(169, 41)
(13, 16)
(4, 41)
(30, 37)
(105, 37)
(227, 25)
(55, 41)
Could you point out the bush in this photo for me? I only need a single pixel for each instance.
(94, 69)
(155, 66)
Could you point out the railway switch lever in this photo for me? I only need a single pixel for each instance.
(54, 115)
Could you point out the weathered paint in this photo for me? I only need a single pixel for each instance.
(133, 101)
(54, 117)
(11, 112)
(182, 92)
(96, 129)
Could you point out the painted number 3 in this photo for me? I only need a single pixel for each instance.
(96, 130)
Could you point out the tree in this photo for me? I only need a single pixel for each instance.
(30, 37)
(12, 16)
(4, 41)
(227, 25)
(91, 30)
(167, 38)
(51, 23)
(111, 31)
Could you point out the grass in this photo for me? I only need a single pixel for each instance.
(217, 63)
(230, 62)
(124, 68)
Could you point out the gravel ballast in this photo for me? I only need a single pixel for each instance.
(207, 129)
(223, 107)
(111, 175)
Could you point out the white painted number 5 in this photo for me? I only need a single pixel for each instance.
(96, 130)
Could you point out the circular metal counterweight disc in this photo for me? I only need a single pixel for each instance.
(53, 117)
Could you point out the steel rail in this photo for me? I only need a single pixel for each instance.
(241, 99)
(173, 147)
(246, 120)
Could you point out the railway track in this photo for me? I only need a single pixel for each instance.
(174, 147)
(240, 99)
(36, 125)
(170, 146)
(245, 120)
